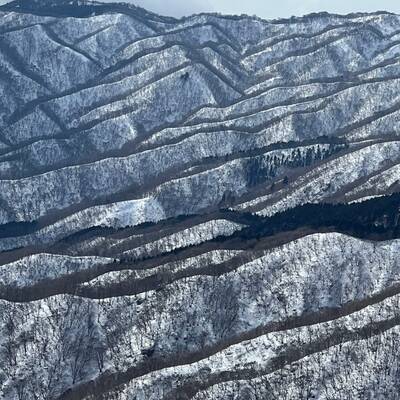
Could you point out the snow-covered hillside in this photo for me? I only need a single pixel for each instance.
(146, 168)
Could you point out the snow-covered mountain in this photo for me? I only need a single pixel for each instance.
(203, 208)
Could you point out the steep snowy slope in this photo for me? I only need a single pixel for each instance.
(203, 208)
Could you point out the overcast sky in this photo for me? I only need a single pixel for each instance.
(267, 8)
(264, 8)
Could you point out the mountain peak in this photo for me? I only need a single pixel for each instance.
(203, 208)
(79, 9)
(46, 5)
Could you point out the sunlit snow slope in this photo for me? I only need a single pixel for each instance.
(204, 208)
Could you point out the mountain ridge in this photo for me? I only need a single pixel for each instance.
(198, 208)
(29, 6)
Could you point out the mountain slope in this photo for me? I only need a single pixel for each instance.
(203, 208)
